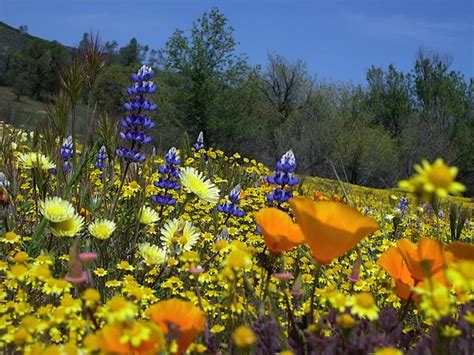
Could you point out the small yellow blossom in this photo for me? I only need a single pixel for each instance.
(244, 336)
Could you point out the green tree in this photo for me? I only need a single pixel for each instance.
(206, 63)
(132, 53)
(388, 98)
(38, 63)
(110, 89)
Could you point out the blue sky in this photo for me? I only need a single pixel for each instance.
(338, 40)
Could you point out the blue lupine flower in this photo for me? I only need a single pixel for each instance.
(199, 142)
(67, 152)
(169, 179)
(403, 205)
(230, 207)
(136, 124)
(284, 178)
(101, 161)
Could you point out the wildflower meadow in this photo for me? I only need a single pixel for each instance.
(109, 247)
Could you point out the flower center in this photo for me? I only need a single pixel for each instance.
(365, 300)
(440, 176)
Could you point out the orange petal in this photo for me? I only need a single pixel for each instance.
(279, 231)
(392, 262)
(409, 251)
(460, 250)
(330, 228)
(423, 260)
(432, 251)
(183, 315)
(403, 290)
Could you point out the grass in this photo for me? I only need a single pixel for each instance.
(23, 113)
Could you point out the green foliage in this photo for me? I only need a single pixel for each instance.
(388, 98)
(109, 90)
(206, 64)
(38, 63)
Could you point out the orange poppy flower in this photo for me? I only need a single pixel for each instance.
(180, 319)
(410, 264)
(330, 228)
(279, 231)
(424, 260)
(394, 264)
(464, 251)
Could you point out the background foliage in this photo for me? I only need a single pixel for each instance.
(370, 134)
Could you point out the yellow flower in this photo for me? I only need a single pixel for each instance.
(148, 216)
(18, 272)
(102, 228)
(469, 317)
(131, 189)
(217, 328)
(57, 210)
(450, 331)
(461, 274)
(388, 350)
(101, 272)
(345, 321)
(438, 178)
(363, 305)
(20, 257)
(179, 234)
(135, 334)
(35, 160)
(436, 300)
(11, 238)
(68, 228)
(125, 265)
(239, 259)
(91, 296)
(118, 309)
(195, 182)
(414, 185)
(152, 254)
(56, 286)
(244, 336)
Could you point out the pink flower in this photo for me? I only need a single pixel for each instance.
(283, 276)
(87, 257)
(77, 280)
(196, 270)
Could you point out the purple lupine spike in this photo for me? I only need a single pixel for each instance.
(168, 180)
(284, 179)
(137, 123)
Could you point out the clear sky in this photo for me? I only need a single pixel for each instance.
(338, 40)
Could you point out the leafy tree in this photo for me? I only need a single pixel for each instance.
(110, 89)
(206, 63)
(38, 63)
(441, 92)
(132, 53)
(388, 98)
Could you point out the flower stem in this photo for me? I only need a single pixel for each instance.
(122, 182)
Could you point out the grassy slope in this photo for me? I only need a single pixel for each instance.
(24, 113)
(367, 193)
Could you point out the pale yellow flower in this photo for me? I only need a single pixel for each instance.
(102, 228)
(194, 182)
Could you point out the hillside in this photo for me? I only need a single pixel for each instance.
(12, 40)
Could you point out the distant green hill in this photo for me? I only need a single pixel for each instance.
(12, 40)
